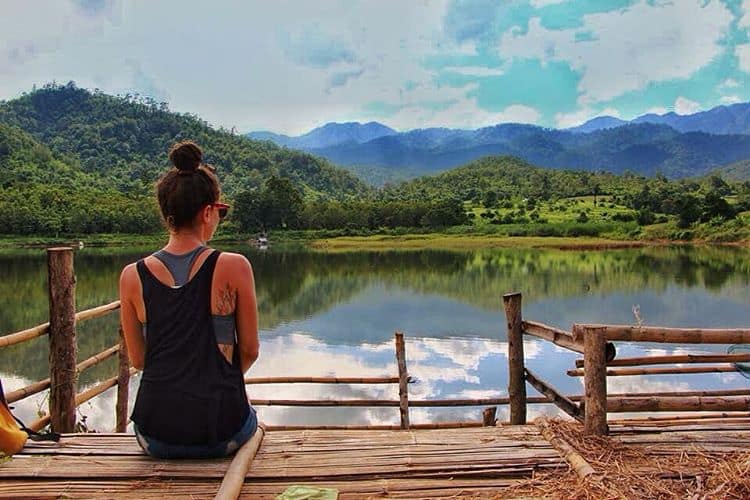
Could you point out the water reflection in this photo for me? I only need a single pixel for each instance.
(335, 314)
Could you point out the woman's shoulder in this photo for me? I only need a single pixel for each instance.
(233, 262)
(129, 272)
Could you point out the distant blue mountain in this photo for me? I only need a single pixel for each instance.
(671, 144)
(733, 119)
(330, 134)
(598, 123)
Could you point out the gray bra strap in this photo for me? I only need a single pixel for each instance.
(179, 265)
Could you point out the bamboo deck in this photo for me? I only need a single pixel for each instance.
(358, 463)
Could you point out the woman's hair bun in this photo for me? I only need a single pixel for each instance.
(186, 156)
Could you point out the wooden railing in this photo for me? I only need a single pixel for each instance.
(595, 342)
(64, 368)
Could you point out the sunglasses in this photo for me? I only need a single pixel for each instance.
(223, 209)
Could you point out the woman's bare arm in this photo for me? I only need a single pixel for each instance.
(246, 311)
(131, 326)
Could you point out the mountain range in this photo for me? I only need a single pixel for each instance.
(674, 145)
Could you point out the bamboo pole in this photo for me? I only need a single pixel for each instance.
(62, 338)
(97, 312)
(324, 380)
(579, 464)
(436, 403)
(234, 478)
(24, 335)
(670, 418)
(123, 386)
(681, 370)
(665, 403)
(554, 335)
(37, 387)
(555, 397)
(674, 335)
(560, 337)
(43, 329)
(436, 425)
(27, 391)
(516, 381)
(403, 388)
(391, 403)
(488, 416)
(725, 392)
(595, 380)
(80, 399)
(678, 358)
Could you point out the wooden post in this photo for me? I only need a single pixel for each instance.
(488, 416)
(123, 387)
(595, 380)
(516, 375)
(62, 339)
(403, 380)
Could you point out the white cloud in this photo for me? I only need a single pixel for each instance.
(633, 46)
(730, 83)
(658, 110)
(543, 3)
(578, 117)
(744, 21)
(742, 52)
(730, 99)
(610, 112)
(249, 65)
(462, 111)
(473, 70)
(684, 106)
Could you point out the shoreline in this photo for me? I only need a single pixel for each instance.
(380, 242)
(476, 242)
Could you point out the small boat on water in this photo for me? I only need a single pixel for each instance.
(261, 241)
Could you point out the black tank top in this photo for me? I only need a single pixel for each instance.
(189, 394)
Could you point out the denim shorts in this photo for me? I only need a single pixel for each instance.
(159, 449)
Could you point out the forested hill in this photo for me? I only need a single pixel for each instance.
(511, 177)
(42, 192)
(126, 139)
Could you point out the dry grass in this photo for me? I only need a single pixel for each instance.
(633, 472)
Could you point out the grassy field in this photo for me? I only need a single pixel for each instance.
(580, 222)
(465, 241)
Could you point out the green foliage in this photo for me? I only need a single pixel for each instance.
(509, 177)
(74, 161)
(278, 205)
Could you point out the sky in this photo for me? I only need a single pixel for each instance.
(289, 66)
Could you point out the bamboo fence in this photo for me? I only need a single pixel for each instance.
(595, 342)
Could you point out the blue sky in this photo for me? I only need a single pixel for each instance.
(289, 66)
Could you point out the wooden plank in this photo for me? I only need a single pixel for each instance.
(674, 335)
(425, 488)
(676, 370)
(305, 455)
(555, 397)
(595, 380)
(516, 380)
(676, 358)
(403, 376)
(665, 403)
(63, 348)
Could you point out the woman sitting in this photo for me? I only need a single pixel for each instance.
(190, 320)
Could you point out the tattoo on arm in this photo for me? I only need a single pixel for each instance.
(226, 300)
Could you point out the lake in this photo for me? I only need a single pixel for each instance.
(335, 314)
